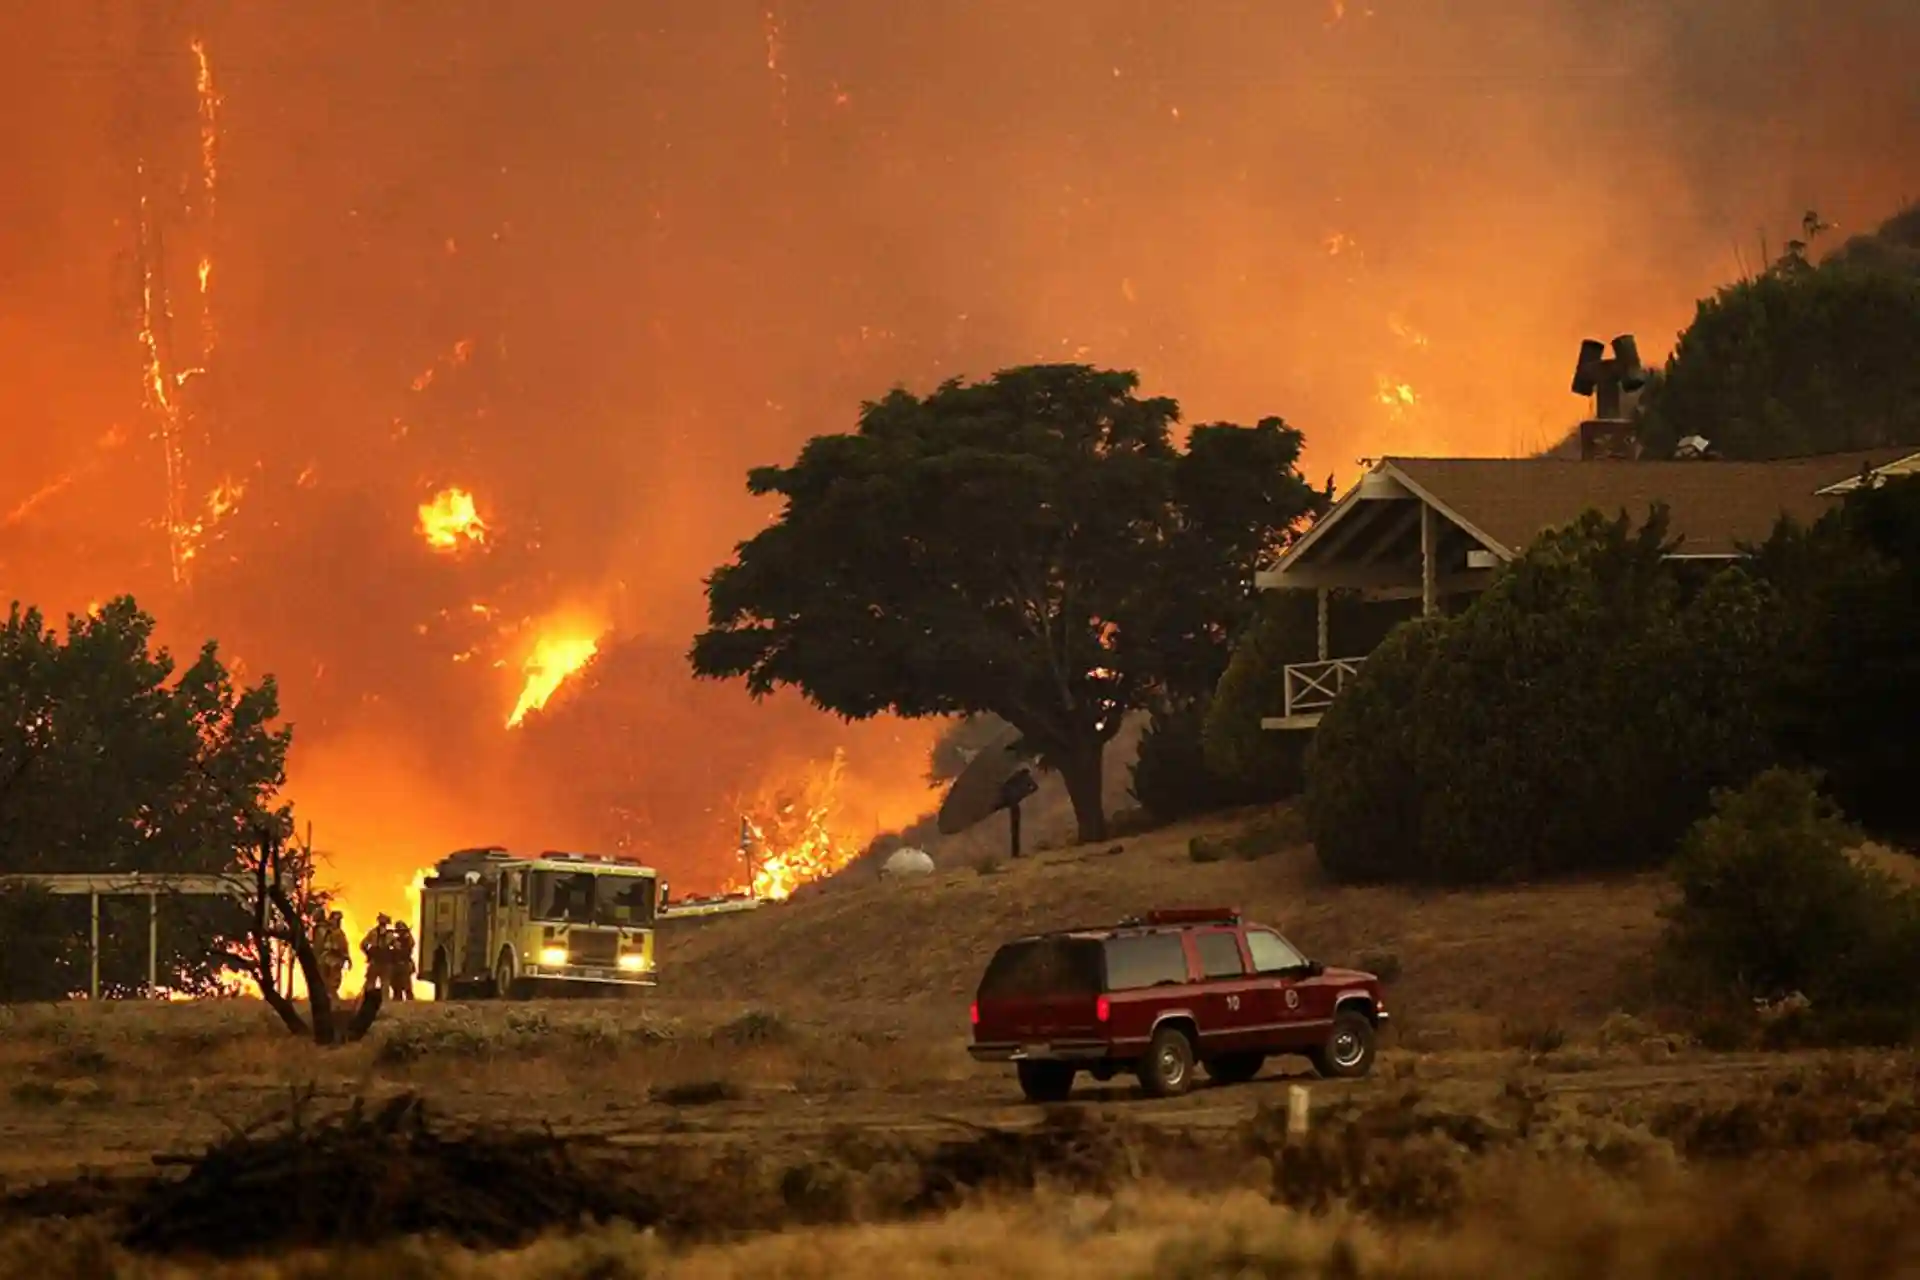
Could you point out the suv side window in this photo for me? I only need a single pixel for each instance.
(1219, 954)
(1271, 952)
(1145, 960)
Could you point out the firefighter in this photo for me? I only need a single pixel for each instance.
(375, 947)
(336, 953)
(400, 962)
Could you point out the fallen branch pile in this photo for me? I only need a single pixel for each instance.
(374, 1173)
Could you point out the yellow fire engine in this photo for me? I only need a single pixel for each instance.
(499, 924)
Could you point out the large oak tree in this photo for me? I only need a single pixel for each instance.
(1034, 547)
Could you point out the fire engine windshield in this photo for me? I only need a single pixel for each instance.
(581, 897)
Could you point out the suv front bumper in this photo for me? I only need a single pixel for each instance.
(1042, 1051)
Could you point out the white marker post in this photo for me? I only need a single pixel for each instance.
(1298, 1100)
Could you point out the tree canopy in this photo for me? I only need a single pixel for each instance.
(1033, 547)
(109, 762)
(1802, 358)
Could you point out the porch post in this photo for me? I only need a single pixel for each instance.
(153, 944)
(1427, 582)
(1320, 602)
(93, 946)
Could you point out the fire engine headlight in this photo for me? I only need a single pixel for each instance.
(553, 956)
(633, 960)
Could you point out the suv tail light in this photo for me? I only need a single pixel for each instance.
(973, 1013)
(1102, 1009)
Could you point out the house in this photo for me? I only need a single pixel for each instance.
(1435, 530)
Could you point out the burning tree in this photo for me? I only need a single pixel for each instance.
(792, 831)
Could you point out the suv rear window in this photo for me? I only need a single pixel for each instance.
(1145, 960)
(1043, 966)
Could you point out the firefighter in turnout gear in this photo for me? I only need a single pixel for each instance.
(375, 948)
(400, 961)
(335, 953)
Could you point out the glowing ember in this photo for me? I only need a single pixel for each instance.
(798, 833)
(1396, 395)
(451, 518)
(557, 654)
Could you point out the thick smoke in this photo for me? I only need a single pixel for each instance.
(677, 239)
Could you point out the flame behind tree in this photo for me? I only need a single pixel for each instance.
(798, 831)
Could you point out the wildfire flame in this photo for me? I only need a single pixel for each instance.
(559, 652)
(450, 517)
(797, 833)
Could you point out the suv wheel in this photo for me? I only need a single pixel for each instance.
(1348, 1052)
(1235, 1068)
(1045, 1081)
(1167, 1070)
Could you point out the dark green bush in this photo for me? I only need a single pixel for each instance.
(1852, 686)
(1171, 779)
(1771, 904)
(1575, 717)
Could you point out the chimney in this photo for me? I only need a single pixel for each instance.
(1608, 440)
(1615, 384)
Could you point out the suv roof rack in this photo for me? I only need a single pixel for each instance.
(1187, 915)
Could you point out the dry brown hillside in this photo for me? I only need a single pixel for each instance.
(1522, 956)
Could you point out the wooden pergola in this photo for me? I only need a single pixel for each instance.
(131, 884)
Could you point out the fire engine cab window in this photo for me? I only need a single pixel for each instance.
(1145, 960)
(1220, 955)
(1271, 953)
(563, 896)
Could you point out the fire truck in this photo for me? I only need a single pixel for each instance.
(493, 923)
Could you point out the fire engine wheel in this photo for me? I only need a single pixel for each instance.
(1348, 1052)
(1235, 1068)
(503, 979)
(1045, 1081)
(442, 977)
(1167, 1070)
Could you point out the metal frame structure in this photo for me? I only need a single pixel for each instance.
(131, 884)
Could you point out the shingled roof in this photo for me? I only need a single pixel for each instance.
(1715, 506)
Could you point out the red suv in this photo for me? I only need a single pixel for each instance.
(1157, 994)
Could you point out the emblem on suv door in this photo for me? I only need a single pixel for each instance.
(1293, 998)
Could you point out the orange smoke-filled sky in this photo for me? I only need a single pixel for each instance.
(591, 261)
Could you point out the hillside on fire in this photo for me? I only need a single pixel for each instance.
(999, 639)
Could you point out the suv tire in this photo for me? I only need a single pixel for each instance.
(1235, 1068)
(1348, 1052)
(1045, 1081)
(1167, 1070)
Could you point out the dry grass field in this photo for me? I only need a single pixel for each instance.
(796, 1101)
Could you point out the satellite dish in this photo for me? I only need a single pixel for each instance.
(998, 778)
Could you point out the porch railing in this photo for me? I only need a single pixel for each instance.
(1312, 686)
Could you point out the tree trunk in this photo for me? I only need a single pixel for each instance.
(1080, 770)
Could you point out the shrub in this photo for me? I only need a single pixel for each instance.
(1171, 779)
(1853, 672)
(1254, 687)
(1573, 718)
(1771, 904)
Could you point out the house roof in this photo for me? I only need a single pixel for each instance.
(1904, 466)
(1715, 506)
